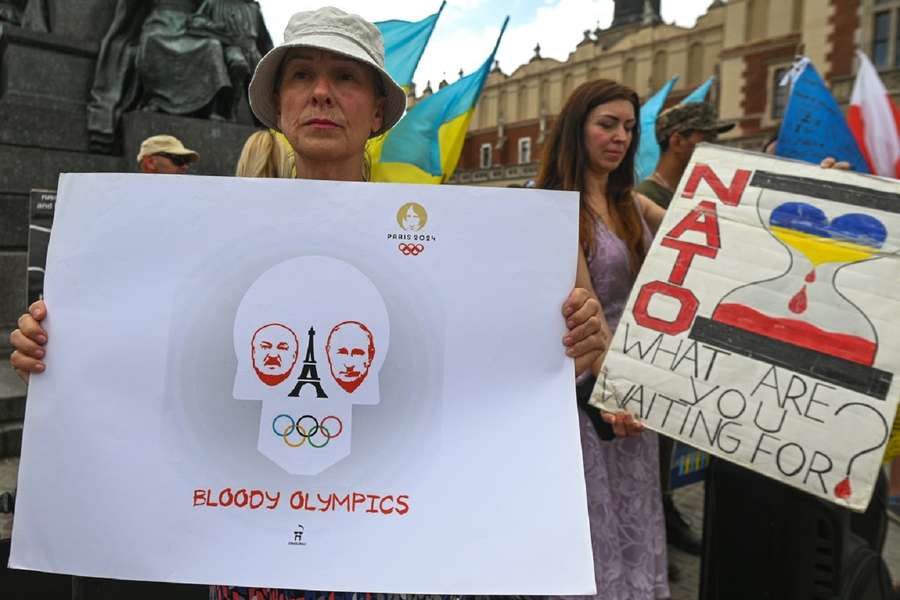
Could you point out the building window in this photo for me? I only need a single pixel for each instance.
(629, 73)
(485, 156)
(897, 38)
(881, 39)
(886, 34)
(757, 15)
(696, 68)
(797, 17)
(779, 92)
(567, 86)
(524, 150)
(660, 69)
(523, 103)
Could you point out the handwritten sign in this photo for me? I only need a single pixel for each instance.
(814, 127)
(307, 385)
(762, 327)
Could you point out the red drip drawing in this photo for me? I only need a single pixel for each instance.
(843, 489)
(811, 276)
(798, 333)
(798, 302)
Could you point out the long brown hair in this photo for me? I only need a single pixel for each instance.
(565, 163)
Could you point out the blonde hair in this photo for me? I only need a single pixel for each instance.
(266, 153)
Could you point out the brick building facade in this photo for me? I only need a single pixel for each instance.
(747, 44)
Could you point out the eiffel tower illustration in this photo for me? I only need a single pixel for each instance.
(309, 374)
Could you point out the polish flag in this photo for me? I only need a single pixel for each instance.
(875, 121)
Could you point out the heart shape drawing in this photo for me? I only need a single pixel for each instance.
(847, 239)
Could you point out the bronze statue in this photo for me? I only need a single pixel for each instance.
(176, 57)
(11, 11)
(180, 72)
(239, 26)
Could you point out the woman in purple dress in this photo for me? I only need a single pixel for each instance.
(591, 150)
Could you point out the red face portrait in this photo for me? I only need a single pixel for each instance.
(274, 350)
(350, 349)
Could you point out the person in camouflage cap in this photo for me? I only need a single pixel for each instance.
(678, 130)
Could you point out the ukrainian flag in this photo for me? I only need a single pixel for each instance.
(699, 95)
(648, 148)
(404, 43)
(424, 147)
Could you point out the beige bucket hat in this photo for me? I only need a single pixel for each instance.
(165, 144)
(333, 30)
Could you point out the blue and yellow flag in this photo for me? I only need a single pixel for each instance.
(424, 147)
(648, 148)
(404, 43)
(700, 94)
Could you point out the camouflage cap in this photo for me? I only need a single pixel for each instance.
(697, 116)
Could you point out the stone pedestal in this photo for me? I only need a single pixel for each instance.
(45, 82)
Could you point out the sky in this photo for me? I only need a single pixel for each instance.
(467, 29)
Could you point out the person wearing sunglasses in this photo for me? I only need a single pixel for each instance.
(165, 154)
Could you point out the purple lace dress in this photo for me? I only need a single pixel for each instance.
(622, 476)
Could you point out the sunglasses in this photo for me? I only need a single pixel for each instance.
(177, 159)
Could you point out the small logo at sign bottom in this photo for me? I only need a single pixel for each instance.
(297, 538)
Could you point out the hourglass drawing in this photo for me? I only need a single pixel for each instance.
(800, 319)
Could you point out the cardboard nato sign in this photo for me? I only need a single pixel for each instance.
(762, 327)
(309, 362)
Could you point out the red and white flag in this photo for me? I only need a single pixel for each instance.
(875, 121)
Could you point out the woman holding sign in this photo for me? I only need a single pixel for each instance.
(591, 150)
(327, 90)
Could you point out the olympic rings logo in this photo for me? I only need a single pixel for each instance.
(411, 249)
(285, 426)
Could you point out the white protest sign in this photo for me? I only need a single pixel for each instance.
(307, 385)
(763, 325)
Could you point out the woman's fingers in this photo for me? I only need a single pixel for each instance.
(588, 328)
(28, 341)
(24, 365)
(30, 328)
(577, 298)
(623, 424)
(596, 342)
(587, 309)
(26, 345)
(38, 310)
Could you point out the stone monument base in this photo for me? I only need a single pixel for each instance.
(46, 81)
